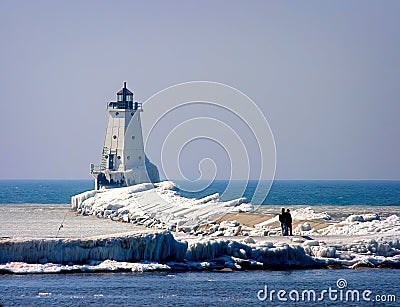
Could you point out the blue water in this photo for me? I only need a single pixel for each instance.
(194, 288)
(41, 191)
(283, 192)
(318, 192)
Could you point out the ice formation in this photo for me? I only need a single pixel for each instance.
(134, 247)
(356, 225)
(158, 206)
(52, 255)
(161, 251)
(92, 266)
(182, 233)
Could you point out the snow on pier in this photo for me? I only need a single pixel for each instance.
(158, 206)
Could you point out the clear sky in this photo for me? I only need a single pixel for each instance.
(326, 75)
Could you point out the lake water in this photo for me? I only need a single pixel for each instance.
(200, 288)
(283, 192)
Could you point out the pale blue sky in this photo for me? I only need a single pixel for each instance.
(326, 74)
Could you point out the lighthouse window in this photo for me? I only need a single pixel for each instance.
(132, 113)
(120, 97)
(128, 157)
(119, 157)
(106, 157)
(129, 98)
(133, 137)
(114, 137)
(117, 113)
(140, 157)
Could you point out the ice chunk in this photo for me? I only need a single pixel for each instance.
(305, 227)
(152, 247)
(362, 218)
(309, 214)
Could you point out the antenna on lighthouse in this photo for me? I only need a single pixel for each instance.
(124, 84)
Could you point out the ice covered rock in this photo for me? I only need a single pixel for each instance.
(78, 199)
(311, 243)
(244, 207)
(227, 224)
(362, 218)
(152, 247)
(259, 232)
(381, 247)
(122, 252)
(284, 255)
(249, 240)
(372, 225)
(308, 213)
(99, 266)
(204, 200)
(321, 251)
(297, 240)
(157, 206)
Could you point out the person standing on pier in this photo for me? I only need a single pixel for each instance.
(288, 219)
(282, 219)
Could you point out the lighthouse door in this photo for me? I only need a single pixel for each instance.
(111, 162)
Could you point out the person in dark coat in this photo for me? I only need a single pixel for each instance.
(288, 219)
(282, 219)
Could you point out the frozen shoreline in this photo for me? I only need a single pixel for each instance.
(147, 228)
(162, 251)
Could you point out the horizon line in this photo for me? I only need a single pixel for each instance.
(177, 180)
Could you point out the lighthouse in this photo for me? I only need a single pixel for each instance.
(123, 160)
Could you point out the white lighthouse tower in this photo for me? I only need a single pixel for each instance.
(123, 161)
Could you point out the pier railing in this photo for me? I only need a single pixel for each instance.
(95, 169)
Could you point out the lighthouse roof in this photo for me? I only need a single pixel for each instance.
(124, 91)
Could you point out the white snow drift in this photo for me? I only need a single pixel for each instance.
(158, 206)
